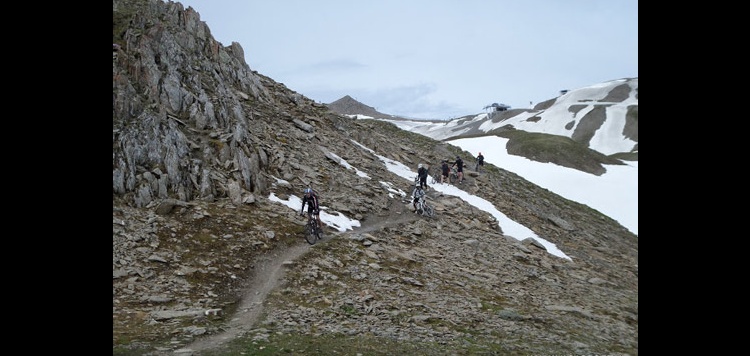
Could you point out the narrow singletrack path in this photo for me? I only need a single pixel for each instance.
(269, 272)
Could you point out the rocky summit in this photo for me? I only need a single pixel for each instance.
(204, 258)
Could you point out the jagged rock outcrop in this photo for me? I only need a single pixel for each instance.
(179, 128)
(200, 141)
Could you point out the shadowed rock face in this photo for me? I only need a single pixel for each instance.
(631, 124)
(619, 93)
(589, 123)
(200, 143)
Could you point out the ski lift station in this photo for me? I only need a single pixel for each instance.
(496, 107)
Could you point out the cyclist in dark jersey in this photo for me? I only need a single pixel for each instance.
(459, 164)
(313, 206)
(480, 162)
(446, 172)
(422, 174)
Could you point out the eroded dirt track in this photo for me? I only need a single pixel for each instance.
(269, 272)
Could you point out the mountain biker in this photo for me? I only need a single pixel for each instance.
(422, 175)
(459, 164)
(313, 206)
(418, 194)
(480, 161)
(446, 170)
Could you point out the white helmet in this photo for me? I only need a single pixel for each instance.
(419, 165)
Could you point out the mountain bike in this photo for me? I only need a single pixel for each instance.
(423, 208)
(435, 176)
(313, 232)
(453, 177)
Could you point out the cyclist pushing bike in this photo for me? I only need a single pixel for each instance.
(422, 176)
(459, 164)
(418, 193)
(446, 171)
(313, 206)
(419, 202)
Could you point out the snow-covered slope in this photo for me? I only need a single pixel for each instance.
(603, 116)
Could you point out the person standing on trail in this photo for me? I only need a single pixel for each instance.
(480, 161)
(446, 170)
(422, 175)
(459, 164)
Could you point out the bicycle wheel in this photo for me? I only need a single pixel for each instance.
(318, 231)
(311, 233)
(453, 178)
(428, 211)
(436, 176)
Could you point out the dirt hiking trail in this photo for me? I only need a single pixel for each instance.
(269, 272)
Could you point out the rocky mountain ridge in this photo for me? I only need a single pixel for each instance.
(350, 106)
(566, 130)
(580, 114)
(200, 141)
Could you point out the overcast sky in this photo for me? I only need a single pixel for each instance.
(431, 59)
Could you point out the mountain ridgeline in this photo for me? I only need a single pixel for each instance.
(565, 130)
(201, 143)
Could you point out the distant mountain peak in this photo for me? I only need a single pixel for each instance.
(350, 106)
